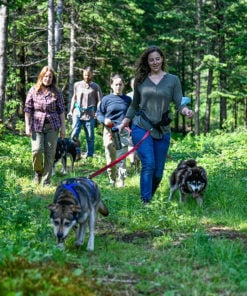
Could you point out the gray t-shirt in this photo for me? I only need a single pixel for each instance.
(87, 97)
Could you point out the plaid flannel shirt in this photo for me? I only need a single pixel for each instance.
(44, 107)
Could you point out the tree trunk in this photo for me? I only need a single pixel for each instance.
(208, 102)
(21, 88)
(222, 59)
(58, 26)
(51, 37)
(198, 74)
(72, 56)
(245, 113)
(235, 110)
(3, 54)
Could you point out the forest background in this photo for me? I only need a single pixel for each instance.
(205, 43)
(167, 248)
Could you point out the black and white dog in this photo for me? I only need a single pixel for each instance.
(66, 147)
(188, 178)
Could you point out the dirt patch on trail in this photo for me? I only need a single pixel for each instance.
(228, 233)
(219, 232)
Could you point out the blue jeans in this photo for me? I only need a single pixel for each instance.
(88, 126)
(152, 153)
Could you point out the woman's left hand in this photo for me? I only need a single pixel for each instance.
(187, 112)
(62, 133)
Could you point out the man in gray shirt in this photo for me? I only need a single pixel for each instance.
(87, 95)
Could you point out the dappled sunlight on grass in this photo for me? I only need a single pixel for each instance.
(164, 246)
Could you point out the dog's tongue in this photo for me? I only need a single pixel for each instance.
(195, 194)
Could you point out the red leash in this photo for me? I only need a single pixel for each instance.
(121, 157)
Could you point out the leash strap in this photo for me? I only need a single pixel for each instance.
(121, 157)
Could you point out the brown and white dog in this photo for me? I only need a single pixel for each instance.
(76, 203)
(188, 178)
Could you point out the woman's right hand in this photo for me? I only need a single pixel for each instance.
(28, 130)
(108, 122)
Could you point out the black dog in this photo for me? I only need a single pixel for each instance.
(188, 178)
(66, 147)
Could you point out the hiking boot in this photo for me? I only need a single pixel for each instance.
(37, 178)
(120, 183)
(46, 183)
(112, 183)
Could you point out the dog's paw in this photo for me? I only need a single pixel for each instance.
(90, 248)
(199, 201)
(79, 243)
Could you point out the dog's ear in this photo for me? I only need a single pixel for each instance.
(203, 172)
(51, 207)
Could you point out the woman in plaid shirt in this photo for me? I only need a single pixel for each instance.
(44, 116)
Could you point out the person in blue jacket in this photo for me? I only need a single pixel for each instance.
(110, 112)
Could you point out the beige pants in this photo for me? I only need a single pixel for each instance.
(43, 152)
(111, 154)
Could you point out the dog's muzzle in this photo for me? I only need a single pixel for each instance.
(60, 237)
(195, 194)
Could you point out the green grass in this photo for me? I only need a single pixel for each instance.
(163, 249)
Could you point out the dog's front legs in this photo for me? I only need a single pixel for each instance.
(72, 162)
(92, 218)
(64, 163)
(172, 191)
(199, 201)
(80, 234)
(181, 196)
(53, 169)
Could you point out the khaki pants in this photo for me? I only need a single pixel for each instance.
(43, 152)
(111, 154)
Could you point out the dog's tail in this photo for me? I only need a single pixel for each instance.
(103, 209)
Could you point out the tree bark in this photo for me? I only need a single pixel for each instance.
(58, 25)
(72, 56)
(51, 35)
(222, 59)
(208, 102)
(198, 74)
(3, 55)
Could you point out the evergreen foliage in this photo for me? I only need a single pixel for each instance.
(110, 35)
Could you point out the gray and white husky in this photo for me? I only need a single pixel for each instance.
(76, 203)
(188, 178)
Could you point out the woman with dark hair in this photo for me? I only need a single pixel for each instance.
(110, 113)
(154, 90)
(44, 116)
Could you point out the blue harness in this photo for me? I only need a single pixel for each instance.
(81, 110)
(71, 186)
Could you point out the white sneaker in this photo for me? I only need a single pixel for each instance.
(120, 183)
(112, 183)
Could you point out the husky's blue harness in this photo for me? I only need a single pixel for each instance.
(71, 186)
